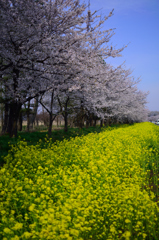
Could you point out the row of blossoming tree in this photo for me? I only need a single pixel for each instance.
(56, 52)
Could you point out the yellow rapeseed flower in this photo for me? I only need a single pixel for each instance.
(27, 235)
(88, 187)
(31, 207)
(18, 226)
(7, 230)
(15, 238)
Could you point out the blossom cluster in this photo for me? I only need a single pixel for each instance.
(91, 187)
(56, 52)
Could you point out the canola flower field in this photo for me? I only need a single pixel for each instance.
(100, 186)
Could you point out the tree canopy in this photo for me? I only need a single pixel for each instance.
(51, 46)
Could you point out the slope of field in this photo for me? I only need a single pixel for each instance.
(100, 186)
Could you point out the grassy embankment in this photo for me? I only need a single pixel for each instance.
(100, 186)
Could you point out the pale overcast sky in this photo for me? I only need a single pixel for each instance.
(137, 24)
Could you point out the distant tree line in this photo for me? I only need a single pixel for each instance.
(153, 116)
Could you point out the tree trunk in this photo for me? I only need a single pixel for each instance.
(20, 121)
(81, 121)
(95, 122)
(87, 123)
(50, 124)
(51, 118)
(66, 116)
(28, 114)
(1, 104)
(91, 122)
(6, 117)
(107, 122)
(34, 113)
(66, 122)
(14, 110)
(81, 116)
(57, 119)
(101, 123)
(2, 112)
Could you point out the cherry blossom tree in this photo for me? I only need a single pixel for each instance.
(50, 46)
(39, 41)
(112, 94)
